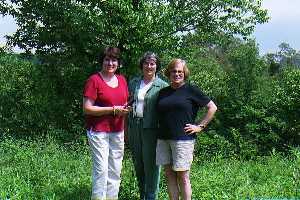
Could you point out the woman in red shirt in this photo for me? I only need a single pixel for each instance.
(104, 98)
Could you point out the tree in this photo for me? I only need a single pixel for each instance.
(285, 57)
(66, 35)
(75, 30)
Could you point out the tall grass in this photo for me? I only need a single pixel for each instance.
(43, 169)
(271, 177)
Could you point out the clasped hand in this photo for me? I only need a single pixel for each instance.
(122, 110)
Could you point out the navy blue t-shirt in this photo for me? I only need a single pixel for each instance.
(178, 107)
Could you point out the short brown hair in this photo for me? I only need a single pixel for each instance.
(112, 52)
(172, 65)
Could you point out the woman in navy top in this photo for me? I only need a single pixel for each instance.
(177, 106)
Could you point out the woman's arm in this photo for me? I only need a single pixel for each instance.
(211, 109)
(90, 109)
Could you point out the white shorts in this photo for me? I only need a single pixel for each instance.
(177, 153)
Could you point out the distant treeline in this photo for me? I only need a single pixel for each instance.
(258, 103)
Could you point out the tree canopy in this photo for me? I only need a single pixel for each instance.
(75, 29)
(285, 57)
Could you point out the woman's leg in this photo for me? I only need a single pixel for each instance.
(171, 176)
(136, 148)
(182, 154)
(183, 178)
(116, 152)
(99, 145)
(151, 170)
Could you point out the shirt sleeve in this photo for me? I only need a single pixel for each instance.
(199, 97)
(90, 88)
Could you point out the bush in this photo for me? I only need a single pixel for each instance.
(286, 106)
(37, 99)
(24, 106)
(256, 112)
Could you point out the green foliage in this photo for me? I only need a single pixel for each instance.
(286, 57)
(67, 35)
(255, 115)
(74, 31)
(208, 74)
(23, 105)
(35, 100)
(256, 112)
(265, 177)
(287, 105)
(43, 169)
(213, 144)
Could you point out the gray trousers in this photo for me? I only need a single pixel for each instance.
(142, 143)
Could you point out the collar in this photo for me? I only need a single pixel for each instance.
(156, 81)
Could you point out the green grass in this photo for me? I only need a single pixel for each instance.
(43, 169)
(271, 177)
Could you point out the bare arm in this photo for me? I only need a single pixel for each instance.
(211, 109)
(90, 109)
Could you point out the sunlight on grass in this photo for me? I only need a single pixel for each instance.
(44, 169)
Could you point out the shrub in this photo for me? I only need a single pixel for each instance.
(24, 106)
(37, 99)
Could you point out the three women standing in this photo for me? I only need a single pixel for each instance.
(104, 97)
(143, 125)
(159, 112)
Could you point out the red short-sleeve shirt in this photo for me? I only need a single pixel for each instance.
(104, 95)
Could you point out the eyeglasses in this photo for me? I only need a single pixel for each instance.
(177, 71)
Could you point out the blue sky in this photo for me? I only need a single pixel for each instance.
(284, 26)
(7, 26)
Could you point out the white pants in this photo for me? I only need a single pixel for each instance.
(107, 151)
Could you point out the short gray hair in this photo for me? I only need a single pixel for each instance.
(150, 55)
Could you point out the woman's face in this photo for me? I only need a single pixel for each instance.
(149, 68)
(109, 64)
(177, 75)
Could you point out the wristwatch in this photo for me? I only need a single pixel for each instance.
(201, 126)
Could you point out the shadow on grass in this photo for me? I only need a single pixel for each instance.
(78, 192)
